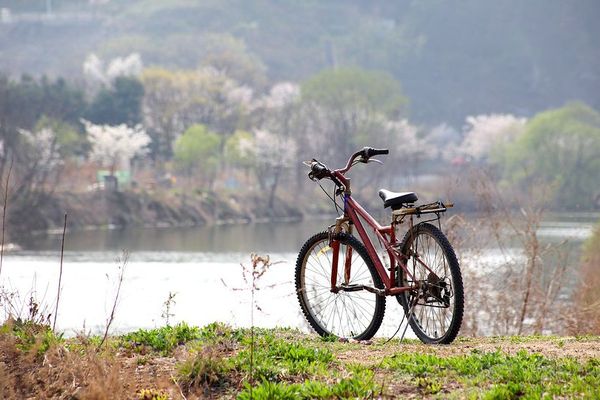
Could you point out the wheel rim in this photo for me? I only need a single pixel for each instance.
(433, 303)
(343, 314)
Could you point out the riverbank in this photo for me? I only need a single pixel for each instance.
(130, 209)
(218, 361)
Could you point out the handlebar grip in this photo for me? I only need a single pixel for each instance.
(317, 170)
(369, 152)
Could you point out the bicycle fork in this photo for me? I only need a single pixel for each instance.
(335, 247)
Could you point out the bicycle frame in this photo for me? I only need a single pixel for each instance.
(386, 236)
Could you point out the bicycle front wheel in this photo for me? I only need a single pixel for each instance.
(435, 305)
(348, 311)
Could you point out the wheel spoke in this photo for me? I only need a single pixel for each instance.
(344, 313)
(434, 266)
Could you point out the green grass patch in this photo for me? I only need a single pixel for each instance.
(161, 340)
(31, 336)
(360, 385)
(275, 358)
(496, 375)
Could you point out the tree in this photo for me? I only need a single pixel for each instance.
(230, 55)
(120, 103)
(198, 151)
(343, 104)
(99, 74)
(276, 135)
(486, 134)
(274, 153)
(175, 100)
(23, 104)
(239, 150)
(561, 148)
(111, 145)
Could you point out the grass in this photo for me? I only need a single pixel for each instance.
(161, 340)
(213, 362)
(497, 375)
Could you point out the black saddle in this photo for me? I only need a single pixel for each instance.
(397, 200)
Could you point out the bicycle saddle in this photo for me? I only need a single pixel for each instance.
(396, 200)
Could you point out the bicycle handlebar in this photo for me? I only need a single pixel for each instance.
(319, 170)
(370, 152)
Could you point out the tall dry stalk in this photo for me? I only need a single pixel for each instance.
(517, 296)
(62, 252)
(4, 207)
(122, 266)
(259, 266)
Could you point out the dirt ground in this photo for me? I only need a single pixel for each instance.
(581, 349)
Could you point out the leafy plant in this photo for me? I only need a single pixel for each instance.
(162, 340)
(31, 335)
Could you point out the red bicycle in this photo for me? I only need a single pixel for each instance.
(342, 283)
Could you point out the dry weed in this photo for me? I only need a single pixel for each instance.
(518, 293)
(585, 313)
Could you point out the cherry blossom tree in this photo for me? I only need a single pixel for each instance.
(485, 134)
(274, 153)
(114, 145)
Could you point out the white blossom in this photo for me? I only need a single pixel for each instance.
(272, 149)
(282, 94)
(483, 133)
(240, 95)
(246, 147)
(95, 70)
(408, 142)
(114, 144)
(130, 65)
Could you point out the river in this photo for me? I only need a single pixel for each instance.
(202, 267)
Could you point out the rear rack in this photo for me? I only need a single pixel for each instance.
(436, 207)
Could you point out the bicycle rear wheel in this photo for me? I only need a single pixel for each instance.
(347, 313)
(435, 306)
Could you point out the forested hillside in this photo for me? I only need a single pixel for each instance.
(453, 60)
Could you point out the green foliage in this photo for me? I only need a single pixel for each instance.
(32, 336)
(216, 333)
(198, 149)
(119, 104)
(347, 105)
(25, 102)
(355, 88)
(560, 148)
(238, 149)
(276, 358)
(505, 376)
(161, 340)
(70, 141)
(360, 385)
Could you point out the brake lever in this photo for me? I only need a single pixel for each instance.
(374, 160)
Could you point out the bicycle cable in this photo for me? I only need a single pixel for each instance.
(337, 206)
